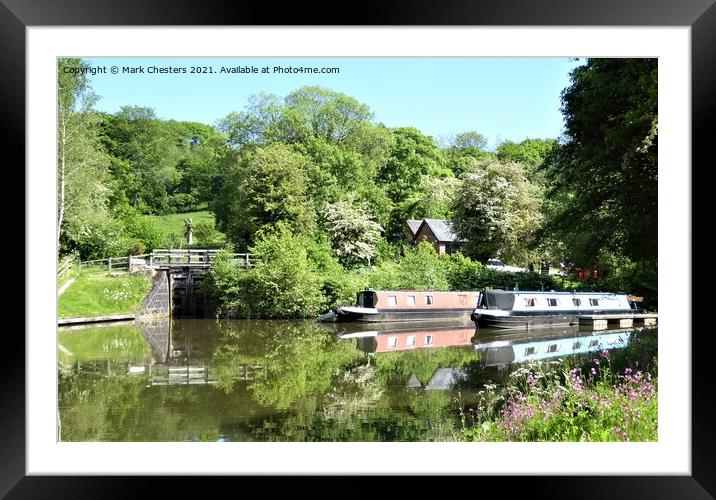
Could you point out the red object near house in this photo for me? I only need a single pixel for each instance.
(586, 273)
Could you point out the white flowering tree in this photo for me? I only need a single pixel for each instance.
(354, 234)
(496, 210)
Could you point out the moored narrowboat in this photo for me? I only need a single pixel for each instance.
(513, 309)
(413, 305)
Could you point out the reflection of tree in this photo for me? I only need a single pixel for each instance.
(94, 408)
(296, 359)
(395, 368)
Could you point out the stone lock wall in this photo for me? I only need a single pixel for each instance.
(158, 302)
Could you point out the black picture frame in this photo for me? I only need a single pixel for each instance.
(700, 15)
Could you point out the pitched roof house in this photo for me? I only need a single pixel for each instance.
(439, 232)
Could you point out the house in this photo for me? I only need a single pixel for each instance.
(437, 231)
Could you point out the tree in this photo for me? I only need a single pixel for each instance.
(353, 234)
(463, 149)
(284, 282)
(470, 140)
(605, 172)
(531, 153)
(267, 186)
(412, 156)
(496, 210)
(81, 163)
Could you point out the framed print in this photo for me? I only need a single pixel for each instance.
(218, 156)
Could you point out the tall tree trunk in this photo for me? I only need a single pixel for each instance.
(61, 207)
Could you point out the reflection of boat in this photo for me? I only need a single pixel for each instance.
(377, 306)
(512, 309)
(516, 347)
(408, 338)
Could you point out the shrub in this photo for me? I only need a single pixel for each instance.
(284, 283)
(208, 236)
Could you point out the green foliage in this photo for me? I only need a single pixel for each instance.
(284, 283)
(207, 236)
(462, 273)
(268, 186)
(497, 211)
(421, 269)
(605, 173)
(101, 295)
(94, 236)
(339, 286)
(142, 229)
(530, 153)
(412, 156)
(82, 167)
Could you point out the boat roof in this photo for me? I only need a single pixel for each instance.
(540, 292)
(422, 291)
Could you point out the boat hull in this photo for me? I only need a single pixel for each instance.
(486, 320)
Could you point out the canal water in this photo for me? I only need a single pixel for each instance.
(241, 380)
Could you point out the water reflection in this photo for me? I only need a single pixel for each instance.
(505, 347)
(207, 380)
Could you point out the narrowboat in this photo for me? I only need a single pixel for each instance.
(516, 309)
(375, 306)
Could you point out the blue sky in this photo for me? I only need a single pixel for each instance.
(502, 98)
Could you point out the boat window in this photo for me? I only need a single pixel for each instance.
(411, 341)
(392, 300)
(594, 343)
(392, 341)
(593, 302)
(428, 340)
(410, 299)
(429, 300)
(576, 346)
(530, 302)
(552, 302)
(503, 301)
(462, 299)
(577, 302)
(553, 348)
(530, 351)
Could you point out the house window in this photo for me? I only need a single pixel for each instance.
(530, 351)
(410, 299)
(553, 348)
(410, 341)
(392, 341)
(428, 340)
(529, 302)
(429, 300)
(552, 302)
(593, 302)
(577, 302)
(392, 300)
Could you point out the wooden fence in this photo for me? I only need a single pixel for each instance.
(158, 258)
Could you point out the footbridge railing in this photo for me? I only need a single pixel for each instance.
(159, 258)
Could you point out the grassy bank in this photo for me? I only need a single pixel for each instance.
(101, 295)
